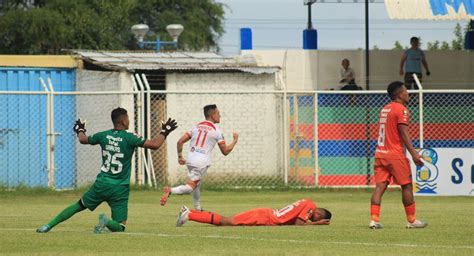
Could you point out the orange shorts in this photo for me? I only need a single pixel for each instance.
(397, 170)
(254, 217)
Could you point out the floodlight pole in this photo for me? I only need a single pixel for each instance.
(310, 24)
(140, 30)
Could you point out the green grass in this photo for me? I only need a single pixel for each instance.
(151, 228)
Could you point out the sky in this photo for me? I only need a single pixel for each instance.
(279, 24)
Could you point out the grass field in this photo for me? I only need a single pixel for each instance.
(151, 228)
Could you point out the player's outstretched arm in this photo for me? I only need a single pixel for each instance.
(80, 130)
(226, 149)
(300, 222)
(166, 129)
(185, 138)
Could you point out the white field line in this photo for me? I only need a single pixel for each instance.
(270, 239)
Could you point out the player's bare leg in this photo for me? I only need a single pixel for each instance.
(179, 190)
(197, 197)
(376, 202)
(164, 197)
(410, 207)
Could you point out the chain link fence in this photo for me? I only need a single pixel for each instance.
(23, 139)
(286, 139)
(257, 159)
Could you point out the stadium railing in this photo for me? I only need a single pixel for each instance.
(287, 138)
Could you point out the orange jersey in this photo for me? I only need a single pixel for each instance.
(389, 143)
(302, 209)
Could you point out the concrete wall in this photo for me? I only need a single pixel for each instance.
(96, 110)
(257, 117)
(311, 70)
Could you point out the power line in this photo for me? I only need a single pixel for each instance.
(332, 21)
(349, 1)
(353, 28)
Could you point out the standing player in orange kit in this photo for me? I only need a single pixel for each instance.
(302, 212)
(390, 160)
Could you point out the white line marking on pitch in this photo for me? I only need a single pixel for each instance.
(267, 239)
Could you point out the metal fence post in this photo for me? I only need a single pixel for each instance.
(142, 125)
(420, 102)
(52, 132)
(285, 136)
(316, 141)
(148, 126)
(48, 133)
(139, 104)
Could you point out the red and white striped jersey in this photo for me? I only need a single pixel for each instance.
(204, 137)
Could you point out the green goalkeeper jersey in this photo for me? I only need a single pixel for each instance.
(117, 151)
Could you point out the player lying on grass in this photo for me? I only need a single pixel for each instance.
(203, 137)
(113, 182)
(302, 212)
(391, 162)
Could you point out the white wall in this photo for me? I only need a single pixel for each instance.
(257, 117)
(96, 110)
(311, 70)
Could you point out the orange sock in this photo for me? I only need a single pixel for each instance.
(375, 212)
(410, 212)
(204, 217)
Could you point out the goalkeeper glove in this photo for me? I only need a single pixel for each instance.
(79, 126)
(168, 127)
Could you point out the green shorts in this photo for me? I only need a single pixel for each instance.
(115, 195)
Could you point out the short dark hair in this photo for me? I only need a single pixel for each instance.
(117, 114)
(327, 214)
(393, 89)
(209, 109)
(414, 39)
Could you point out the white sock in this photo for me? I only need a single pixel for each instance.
(197, 197)
(182, 189)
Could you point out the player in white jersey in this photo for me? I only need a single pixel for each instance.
(203, 137)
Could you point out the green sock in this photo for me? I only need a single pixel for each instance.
(66, 214)
(114, 226)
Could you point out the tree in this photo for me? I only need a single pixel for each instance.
(458, 41)
(47, 26)
(202, 21)
(397, 46)
(456, 44)
(444, 46)
(433, 46)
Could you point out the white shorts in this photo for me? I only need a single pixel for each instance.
(196, 174)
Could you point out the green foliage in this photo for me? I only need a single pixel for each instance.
(202, 21)
(52, 25)
(444, 46)
(458, 41)
(33, 31)
(397, 46)
(433, 45)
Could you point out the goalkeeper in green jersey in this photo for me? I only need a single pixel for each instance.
(113, 182)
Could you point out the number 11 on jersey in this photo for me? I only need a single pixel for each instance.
(199, 137)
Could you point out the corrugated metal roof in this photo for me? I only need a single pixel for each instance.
(430, 9)
(185, 61)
